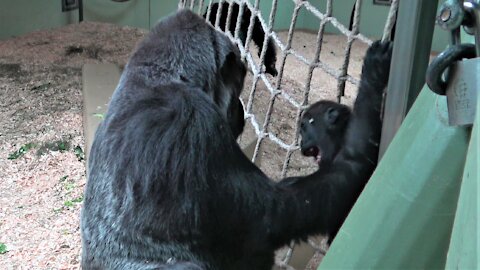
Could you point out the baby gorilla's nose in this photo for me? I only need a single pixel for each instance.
(310, 151)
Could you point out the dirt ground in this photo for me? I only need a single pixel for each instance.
(42, 170)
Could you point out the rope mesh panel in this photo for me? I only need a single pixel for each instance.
(285, 49)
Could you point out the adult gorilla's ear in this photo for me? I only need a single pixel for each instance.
(228, 64)
(231, 58)
(233, 73)
(236, 117)
(233, 68)
(331, 115)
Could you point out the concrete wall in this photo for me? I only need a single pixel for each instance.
(23, 16)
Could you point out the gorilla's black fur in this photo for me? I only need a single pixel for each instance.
(322, 128)
(335, 136)
(257, 33)
(171, 266)
(167, 181)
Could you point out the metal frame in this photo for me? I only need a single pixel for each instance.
(69, 6)
(464, 249)
(382, 2)
(411, 51)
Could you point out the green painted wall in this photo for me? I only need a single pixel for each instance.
(283, 16)
(137, 13)
(132, 13)
(160, 9)
(23, 16)
(372, 22)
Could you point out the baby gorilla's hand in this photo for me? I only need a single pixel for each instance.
(376, 66)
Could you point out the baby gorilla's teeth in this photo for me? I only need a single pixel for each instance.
(318, 158)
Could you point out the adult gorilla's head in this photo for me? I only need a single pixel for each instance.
(209, 60)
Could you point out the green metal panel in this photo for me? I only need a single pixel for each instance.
(464, 244)
(464, 252)
(404, 217)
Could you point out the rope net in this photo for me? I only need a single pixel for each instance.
(276, 87)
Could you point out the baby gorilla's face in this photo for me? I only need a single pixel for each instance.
(322, 129)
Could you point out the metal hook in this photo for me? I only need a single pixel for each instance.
(443, 61)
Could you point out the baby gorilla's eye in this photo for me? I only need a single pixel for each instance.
(311, 120)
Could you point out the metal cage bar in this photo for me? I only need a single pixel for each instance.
(411, 51)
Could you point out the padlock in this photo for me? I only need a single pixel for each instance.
(462, 92)
(463, 82)
(462, 75)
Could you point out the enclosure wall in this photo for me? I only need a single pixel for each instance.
(23, 16)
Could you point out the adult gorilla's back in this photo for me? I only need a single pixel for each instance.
(153, 160)
(167, 181)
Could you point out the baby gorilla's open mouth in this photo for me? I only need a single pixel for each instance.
(313, 152)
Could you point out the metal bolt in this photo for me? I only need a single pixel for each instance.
(445, 14)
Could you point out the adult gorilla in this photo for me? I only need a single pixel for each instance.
(167, 181)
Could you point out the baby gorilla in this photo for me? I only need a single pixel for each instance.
(322, 129)
(345, 143)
